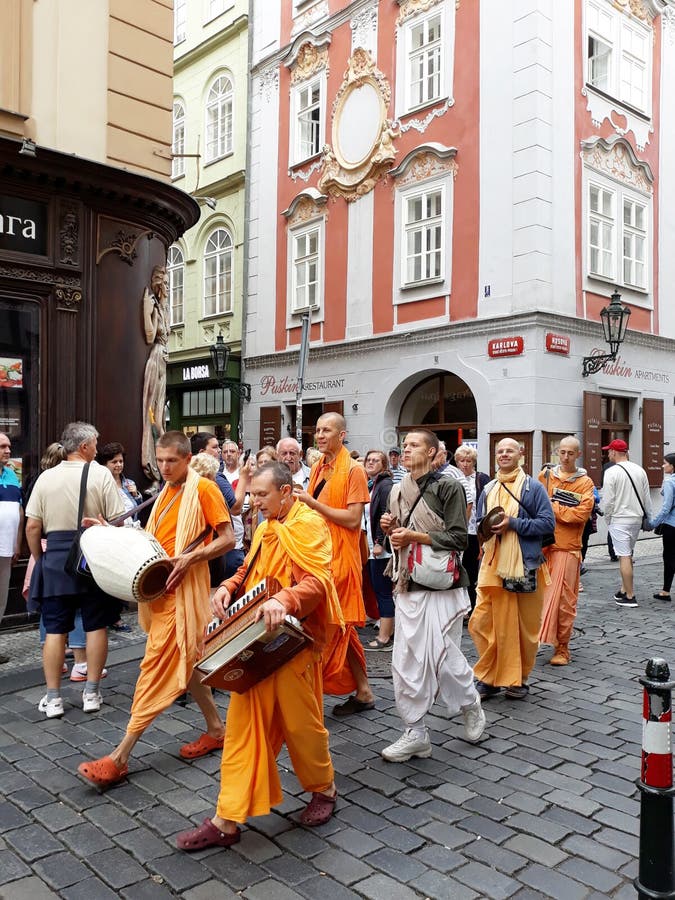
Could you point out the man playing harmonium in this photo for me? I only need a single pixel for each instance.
(175, 622)
(293, 546)
(571, 493)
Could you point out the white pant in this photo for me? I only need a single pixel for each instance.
(427, 660)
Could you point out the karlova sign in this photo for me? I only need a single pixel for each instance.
(509, 346)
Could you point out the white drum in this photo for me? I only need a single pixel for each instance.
(126, 563)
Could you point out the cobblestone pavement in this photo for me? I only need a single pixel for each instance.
(545, 806)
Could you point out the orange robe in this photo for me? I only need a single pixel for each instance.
(287, 707)
(175, 622)
(345, 483)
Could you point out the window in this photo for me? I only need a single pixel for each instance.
(308, 100)
(175, 266)
(617, 235)
(422, 254)
(306, 267)
(218, 273)
(425, 47)
(178, 146)
(179, 21)
(215, 8)
(618, 55)
(219, 119)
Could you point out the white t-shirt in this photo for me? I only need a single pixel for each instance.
(57, 492)
(237, 521)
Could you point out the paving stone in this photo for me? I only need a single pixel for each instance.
(447, 835)
(210, 890)
(497, 857)
(302, 842)
(381, 887)
(144, 846)
(270, 825)
(552, 884)
(548, 831)
(361, 819)
(179, 871)
(355, 842)
(453, 793)
(32, 842)
(591, 874)
(29, 798)
(90, 889)
(147, 890)
(526, 802)
(237, 873)
(85, 839)
(578, 845)
(11, 867)
(530, 847)
(404, 839)
(619, 821)
(325, 888)
(289, 869)
(11, 817)
(413, 797)
(163, 820)
(61, 870)
(371, 800)
(411, 819)
(490, 808)
(489, 882)
(566, 817)
(110, 820)
(441, 887)
(31, 889)
(618, 840)
(342, 866)
(264, 890)
(581, 805)
(118, 868)
(486, 828)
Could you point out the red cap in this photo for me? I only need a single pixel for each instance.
(617, 444)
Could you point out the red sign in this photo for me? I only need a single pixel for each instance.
(510, 346)
(557, 343)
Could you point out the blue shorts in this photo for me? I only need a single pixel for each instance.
(58, 613)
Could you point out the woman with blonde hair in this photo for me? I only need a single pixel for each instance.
(466, 458)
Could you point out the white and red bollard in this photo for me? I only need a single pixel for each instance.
(656, 874)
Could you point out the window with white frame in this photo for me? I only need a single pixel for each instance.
(308, 103)
(179, 21)
(306, 267)
(424, 62)
(215, 8)
(423, 251)
(218, 258)
(219, 119)
(178, 145)
(618, 236)
(175, 269)
(619, 55)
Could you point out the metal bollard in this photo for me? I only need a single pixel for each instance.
(656, 873)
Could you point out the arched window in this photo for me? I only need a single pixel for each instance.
(175, 267)
(178, 146)
(218, 273)
(219, 119)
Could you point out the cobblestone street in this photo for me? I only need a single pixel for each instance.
(545, 806)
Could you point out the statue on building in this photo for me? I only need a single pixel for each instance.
(156, 327)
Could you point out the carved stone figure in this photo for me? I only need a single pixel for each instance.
(157, 328)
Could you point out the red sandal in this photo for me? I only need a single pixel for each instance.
(207, 835)
(319, 809)
(104, 773)
(203, 745)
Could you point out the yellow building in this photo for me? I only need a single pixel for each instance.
(209, 162)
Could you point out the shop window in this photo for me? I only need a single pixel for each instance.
(218, 273)
(175, 267)
(445, 405)
(19, 380)
(178, 145)
(206, 402)
(618, 55)
(424, 62)
(219, 105)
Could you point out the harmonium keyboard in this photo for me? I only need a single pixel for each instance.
(239, 652)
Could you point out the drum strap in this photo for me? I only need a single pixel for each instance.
(168, 506)
(248, 569)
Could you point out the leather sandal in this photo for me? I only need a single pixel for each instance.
(102, 772)
(319, 809)
(353, 705)
(206, 835)
(201, 747)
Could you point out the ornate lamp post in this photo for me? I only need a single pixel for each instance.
(220, 356)
(614, 320)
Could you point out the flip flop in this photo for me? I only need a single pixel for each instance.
(207, 835)
(203, 745)
(102, 772)
(319, 810)
(353, 705)
(377, 644)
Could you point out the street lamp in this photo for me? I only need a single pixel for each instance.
(220, 356)
(614, 320)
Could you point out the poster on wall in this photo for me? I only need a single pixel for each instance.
(16, 463)
(11, 372)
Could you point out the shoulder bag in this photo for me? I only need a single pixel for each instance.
(75, 563)
(547, 539)
(645, 518)
(438, 570)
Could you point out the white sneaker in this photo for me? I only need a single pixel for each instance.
(91, 702)
(53, 709)
(474, 721)
(407, 746)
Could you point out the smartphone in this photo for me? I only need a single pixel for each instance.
(247, 453)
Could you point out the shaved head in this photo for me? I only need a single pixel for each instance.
(339, 421)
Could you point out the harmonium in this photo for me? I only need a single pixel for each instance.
(239, 652)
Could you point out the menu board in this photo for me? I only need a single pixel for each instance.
(11, 372)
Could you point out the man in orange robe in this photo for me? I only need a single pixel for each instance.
(175, 623)
(571, 513)
(338, 490)
(293, 546)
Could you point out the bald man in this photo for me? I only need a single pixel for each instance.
(338, 490)
(289, 452)
(505, 623)
(571, 493)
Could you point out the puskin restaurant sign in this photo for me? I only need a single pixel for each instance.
(508, 346)
(271, 385)
(23, 225)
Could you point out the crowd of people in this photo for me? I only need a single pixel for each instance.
(404, 537)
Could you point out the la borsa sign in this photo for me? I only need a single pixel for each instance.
(23, 225)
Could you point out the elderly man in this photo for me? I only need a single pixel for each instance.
(289, 452)
(571, 493)
(510, 590)
(52, 512)
(625, 499)
(338, 490)
(11, 522)
(187, 506)
(398, 473)
(293, 546)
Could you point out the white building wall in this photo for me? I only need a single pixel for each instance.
(666, 179)
(360, 267)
